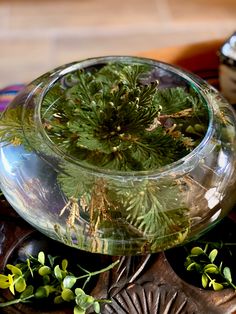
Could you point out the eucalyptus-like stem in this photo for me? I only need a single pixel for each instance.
(90, 274)
(16, 301)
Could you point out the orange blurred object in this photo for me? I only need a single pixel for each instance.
(193, 57)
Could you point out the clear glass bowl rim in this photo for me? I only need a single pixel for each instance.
(180, 166)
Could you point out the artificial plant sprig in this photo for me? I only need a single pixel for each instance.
(213, 275)
(40, 277)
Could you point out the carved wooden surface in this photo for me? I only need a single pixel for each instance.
(139, 285)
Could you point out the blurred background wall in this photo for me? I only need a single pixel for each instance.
(37, 35)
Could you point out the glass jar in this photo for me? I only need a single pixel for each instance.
(114, 211)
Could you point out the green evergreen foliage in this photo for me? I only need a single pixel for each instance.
(11, 127)
(111, 120)
(116, 118)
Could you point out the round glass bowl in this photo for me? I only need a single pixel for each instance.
(98, 206)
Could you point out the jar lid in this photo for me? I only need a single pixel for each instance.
(227, 51)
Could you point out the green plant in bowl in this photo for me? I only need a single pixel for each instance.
(127, 155)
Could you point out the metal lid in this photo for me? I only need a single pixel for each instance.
(228, 51)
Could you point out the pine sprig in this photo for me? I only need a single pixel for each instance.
(149, 211)
(140, 210)
(116, 118)
(11, 127)
(114, 121)
(176, 99)
(108, 115)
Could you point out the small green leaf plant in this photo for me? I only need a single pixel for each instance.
(42, 278)
(214, 275)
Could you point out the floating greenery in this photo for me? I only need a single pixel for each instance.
(117, 117)
(48, 277)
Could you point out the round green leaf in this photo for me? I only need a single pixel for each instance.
(79, 291)
(211, 269)
(69, 281)
(64, 264)
(42, 292)
(41, 258)
(4, 285)
(217, 286)
(78, 310)
(213, 255)
(197, 251)
(4, 282)
(204, 280)
(46, 280)
(20, 284)
(58, 299)
(44, 270)
(3, 278)
(64, 273)
(227, 274)
(96, 307)
(27, 292)
(89, 299)
(67, 295)
(15, 270)
(58, 273)
(84, 301)
(209, 265)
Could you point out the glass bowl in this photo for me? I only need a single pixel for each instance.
(118, 207)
